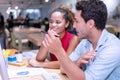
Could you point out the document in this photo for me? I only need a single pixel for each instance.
(29, 54)
(22, 72)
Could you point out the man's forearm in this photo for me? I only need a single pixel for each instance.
(70, 68)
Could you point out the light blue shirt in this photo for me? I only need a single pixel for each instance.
(106, 64)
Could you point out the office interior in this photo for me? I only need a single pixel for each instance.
(39, 11)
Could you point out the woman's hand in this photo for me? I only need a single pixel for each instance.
(84, 59)
(34, 63)
(62, 71)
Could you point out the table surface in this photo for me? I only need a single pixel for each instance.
(39, 77)
(21, 32)
(34, 35)
(35, 38)
(34, 77)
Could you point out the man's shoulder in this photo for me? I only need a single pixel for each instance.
(83, 45)
(109, 39)
(113, 40)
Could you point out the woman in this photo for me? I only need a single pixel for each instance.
(60, 19)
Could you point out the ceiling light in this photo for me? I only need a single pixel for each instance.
(46, 0)
(16, 7)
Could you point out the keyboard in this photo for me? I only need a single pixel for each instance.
(51, 76)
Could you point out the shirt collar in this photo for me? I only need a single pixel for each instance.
(103, 39)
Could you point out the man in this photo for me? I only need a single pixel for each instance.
(98, 54)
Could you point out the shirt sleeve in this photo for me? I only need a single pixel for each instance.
(104, 64)
(82, 47)
(75, 54)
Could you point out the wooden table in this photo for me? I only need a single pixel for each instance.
(19, 39)
(35, 38)
(21, 32)
(34, 35)
(34, 77)
(39, 77)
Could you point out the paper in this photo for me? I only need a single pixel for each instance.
(28, 55)
(22, 72)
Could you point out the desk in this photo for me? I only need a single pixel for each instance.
(35, 77)
(39, 77)
(21, 32)
(35, 38)
(18, 36)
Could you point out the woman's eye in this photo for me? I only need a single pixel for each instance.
(58, 22)
(50, 21)
(76, 21)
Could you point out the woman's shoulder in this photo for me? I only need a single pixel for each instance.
(71, 36)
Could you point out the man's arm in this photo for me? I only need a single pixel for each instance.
(70, 68)
(84, 58)
(53, 45)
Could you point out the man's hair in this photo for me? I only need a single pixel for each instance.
(93, 9)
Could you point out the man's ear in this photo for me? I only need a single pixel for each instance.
(91, 23)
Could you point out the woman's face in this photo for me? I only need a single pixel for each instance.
(57, 22)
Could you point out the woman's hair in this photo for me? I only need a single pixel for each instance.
(2, 29)
(68, 14)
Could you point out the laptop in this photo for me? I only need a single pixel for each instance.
(3, 66)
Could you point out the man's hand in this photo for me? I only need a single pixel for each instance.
(84, 59)
(52, 42)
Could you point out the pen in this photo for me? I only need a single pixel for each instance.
(47, 33)
(57, 35)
